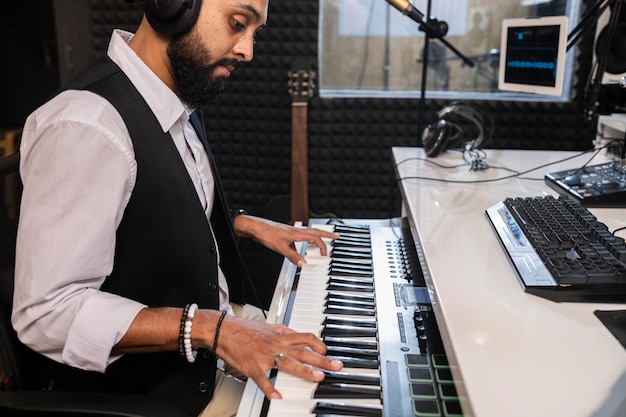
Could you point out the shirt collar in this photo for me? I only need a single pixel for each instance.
(164, 103)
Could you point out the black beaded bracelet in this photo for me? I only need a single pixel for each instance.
(235, 213)
(217, 333)
(181, 333)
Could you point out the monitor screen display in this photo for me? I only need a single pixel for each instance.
(532, 58)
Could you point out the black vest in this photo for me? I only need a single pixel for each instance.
(165, 253)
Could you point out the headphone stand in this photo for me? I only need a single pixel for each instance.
(438, 33)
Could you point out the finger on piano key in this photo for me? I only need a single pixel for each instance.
(351, 362)
(316, 259)
(290, 386)
(326, 227)
(354, 378)
(350, 245)
(347, 351)
(364, 241)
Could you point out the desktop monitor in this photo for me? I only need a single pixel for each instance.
(532, 58)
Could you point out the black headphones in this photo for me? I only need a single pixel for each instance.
(171, 17)
(445, 133)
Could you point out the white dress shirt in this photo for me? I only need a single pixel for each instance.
(78, 169)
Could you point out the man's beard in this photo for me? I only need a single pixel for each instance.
(197, 87)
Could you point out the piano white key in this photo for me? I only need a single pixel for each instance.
(303, 407)
(290, 386)
(361, 371)
(291, 408)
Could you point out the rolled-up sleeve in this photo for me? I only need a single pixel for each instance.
(78, 177)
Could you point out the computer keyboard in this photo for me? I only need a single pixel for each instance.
(602, 185)
(560, 250)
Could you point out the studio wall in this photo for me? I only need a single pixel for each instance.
(350, 139)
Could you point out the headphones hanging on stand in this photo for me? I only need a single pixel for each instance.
(447, 134)
(171, 17)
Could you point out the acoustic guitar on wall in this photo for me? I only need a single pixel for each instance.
(301, 88)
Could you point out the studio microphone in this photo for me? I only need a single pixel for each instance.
(407, 9)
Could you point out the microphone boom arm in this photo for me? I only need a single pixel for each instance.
(406, 8)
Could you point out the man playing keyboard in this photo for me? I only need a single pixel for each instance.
(127, 267)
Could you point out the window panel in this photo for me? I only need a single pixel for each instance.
(368, 48)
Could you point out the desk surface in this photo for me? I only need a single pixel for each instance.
(514, 354)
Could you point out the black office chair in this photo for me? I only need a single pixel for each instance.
(18, 394)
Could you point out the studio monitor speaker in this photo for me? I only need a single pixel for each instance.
(615, 70)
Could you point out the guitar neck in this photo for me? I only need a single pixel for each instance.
(299, 163)
(301, 88)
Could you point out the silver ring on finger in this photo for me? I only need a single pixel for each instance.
(276, 359)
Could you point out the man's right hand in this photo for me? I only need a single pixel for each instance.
(252, 346)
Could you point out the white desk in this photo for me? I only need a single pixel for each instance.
(514, 354)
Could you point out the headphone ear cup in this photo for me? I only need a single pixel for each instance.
(172, 17)
(435, 138)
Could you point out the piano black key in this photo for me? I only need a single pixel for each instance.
(354, 343)
(350, 272)
(344, 377)
(352, 352)
(349, 287)
(350, 303)
(350, 322)
(355, 237)
(351, 279)
(351, 331)
(350, 254)
(354, 297)
(360, 264)
(349, 362)
(322, 408)
(350, 244)
(345, 391)
(350, 248)
(354, 230)
(364, 280)
(342, 228)
(350, 311)
(338, 301)
(331, 415)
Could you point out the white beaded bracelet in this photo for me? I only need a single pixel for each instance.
(190, 353)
